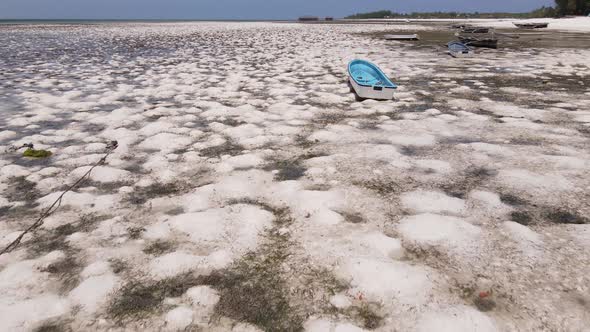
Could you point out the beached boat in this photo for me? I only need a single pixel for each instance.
(402, 37)
(458, 49)
(531, 25)
(486, 42)
(369, 82)
(469, 29)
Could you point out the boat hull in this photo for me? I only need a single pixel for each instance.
(475, 30)
(477, 42)
(369, 92)
(369, 82)
(460, 54)
(531, 26)
(402, 37)
(459, 50)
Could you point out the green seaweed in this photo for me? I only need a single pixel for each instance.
(37, 153)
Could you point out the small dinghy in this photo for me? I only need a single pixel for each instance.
(486, 42)
(470, 29)
(402, 37)
(458, 49)
(369, 82)
(531, 25)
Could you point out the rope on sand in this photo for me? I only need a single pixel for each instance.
(51, 209)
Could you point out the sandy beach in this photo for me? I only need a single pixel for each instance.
(249, 191)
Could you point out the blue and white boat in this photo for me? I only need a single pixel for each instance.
(369, 81)
(458, 49)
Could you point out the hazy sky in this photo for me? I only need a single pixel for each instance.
(241, 9)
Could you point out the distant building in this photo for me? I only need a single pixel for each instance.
(328, 18)
(308, 18)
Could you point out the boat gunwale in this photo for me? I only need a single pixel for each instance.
(402, 37)
(394, 86)
(463, 45)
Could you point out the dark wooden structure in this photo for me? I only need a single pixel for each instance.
(309, 19)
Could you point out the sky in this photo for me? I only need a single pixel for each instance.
(240, 9)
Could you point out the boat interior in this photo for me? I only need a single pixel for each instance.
(366, 74)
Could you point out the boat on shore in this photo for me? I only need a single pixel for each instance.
(477, 41)
(368, 81)
(470, 29)
(531, 25)
(458, 49)
(402, 37)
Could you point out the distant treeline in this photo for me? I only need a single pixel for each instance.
(572, 7)
(562, 8)
(541, 12)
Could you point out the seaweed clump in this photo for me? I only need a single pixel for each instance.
(30, 152)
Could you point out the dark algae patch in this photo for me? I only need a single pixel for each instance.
(367, 314)
(290, 169)
(143, 194)
(522, 218)
(266, 287)
(21, 189)
(135, 232)
(383, 187)
(139, 298)
(159, 248)
(473, 178)
(484, 304)
(512, 200)
(254, 289)
(353, 218)
(68, 271)
(413, 151)
(287, 169)
(535, 215)
(118, 266)
(46, 241)
(227, 148)
(559, 216)
(53, 327)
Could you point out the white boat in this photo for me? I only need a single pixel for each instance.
(531, 25)
(402, 37)
(369, 82)
(459, 50)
